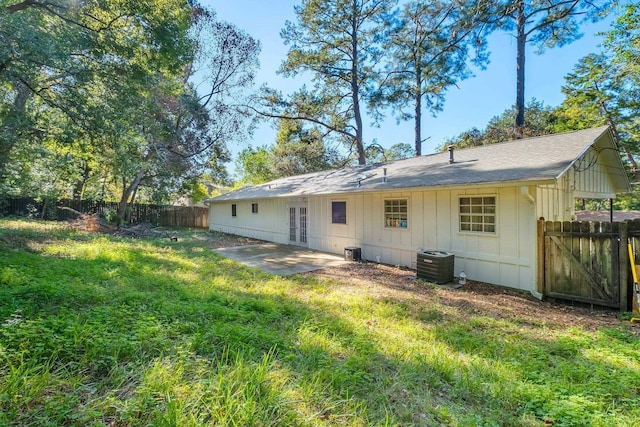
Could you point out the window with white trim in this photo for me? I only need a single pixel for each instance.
(478, 214)
(234, 210)
(254, 208)
(396, 213)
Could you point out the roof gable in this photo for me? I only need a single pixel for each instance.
(530, 160)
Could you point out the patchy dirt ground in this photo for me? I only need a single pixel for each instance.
(474, 297)
(400, 283)
(144, 230)
(217, 240)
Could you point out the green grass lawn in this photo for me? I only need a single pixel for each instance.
(101, 330)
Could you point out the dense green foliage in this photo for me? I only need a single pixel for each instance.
(70, 70)
(98, 330)
(254, 165)
(297, 151)
(378, 154)
(118, 100)
(538, 120)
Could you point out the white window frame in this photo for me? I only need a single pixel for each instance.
(254, 208)
(477, 215)
(396, 217)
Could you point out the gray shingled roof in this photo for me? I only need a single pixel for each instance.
(538, 159)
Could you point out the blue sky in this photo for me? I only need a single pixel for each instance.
(473, 103)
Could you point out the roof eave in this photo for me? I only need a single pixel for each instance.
(493, 184)
(582, 153)
(625, 186)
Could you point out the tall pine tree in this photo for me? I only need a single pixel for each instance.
(544, 24)
(336, 43)
(429, 47)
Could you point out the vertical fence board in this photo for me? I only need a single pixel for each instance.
(574, 246)
(623, 264)
(615, 244)
(565, 281)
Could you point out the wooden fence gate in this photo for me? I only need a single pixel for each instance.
(587, 261)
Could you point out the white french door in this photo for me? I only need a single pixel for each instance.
(298, 225)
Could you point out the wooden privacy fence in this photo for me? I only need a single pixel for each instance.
(184, 216)
(587, 261)
(164, 215)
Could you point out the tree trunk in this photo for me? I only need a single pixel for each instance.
(132, 201)
(104, 184)
(521, 39)
(355, 91)
(126, 194)
(22, 6)
(418, 111)
(9, 131)
(44, 208)
(133, 195)
(78, 188)
(632, 161)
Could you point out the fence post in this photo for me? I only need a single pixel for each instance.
(540, 261)
(624, 264)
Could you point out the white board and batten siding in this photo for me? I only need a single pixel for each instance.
(270, 223)
(587, 178)
(594, 182)
(506, 257)
(555, 202)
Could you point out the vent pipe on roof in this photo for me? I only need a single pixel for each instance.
(384, 176)
(450, 154)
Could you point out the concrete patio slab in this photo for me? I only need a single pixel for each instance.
(281, 259)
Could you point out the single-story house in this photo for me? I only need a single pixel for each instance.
(481, 204)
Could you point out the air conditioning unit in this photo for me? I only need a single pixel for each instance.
(435, 266)
(352, 253)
